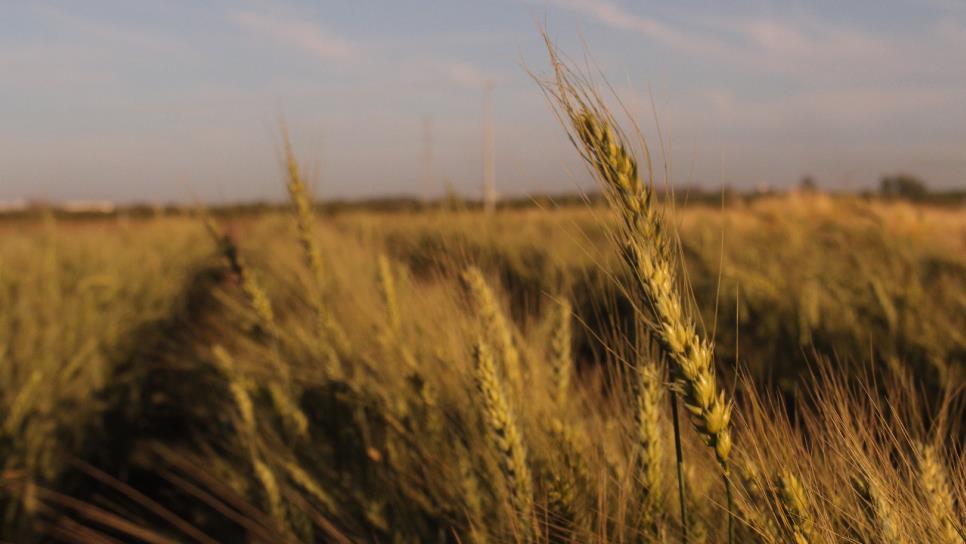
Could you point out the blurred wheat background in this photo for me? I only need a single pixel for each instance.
(156, 390)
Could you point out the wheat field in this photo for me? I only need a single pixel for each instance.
(778, 369)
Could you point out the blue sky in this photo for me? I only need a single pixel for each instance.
(158, 101)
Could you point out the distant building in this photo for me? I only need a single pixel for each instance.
(87, 206)
(17, 205)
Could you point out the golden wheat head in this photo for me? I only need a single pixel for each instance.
(504, 435)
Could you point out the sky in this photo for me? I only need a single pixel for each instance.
(138, 101)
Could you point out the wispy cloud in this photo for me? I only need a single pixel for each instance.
(450, 73)
(613, 15)
(806, 46)
(307, 36)
(793, 45)
(466, 74)
(839, 110)
(109, 32)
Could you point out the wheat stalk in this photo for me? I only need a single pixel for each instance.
(433, 422)
(879, 508)
(239, 388)
(796, 507)
(387, 286)
(22, 404)
(647, 252)
(254, 294)
(934, 483)
(304, 222)
(308, 484)
(561, 352)
(757, 504)
(273, 496)
(568, 482)
(561, 511)
(649, 444)
(279, 390)
(472, 498)
(505, 437)
(495, 327)
(293, 416)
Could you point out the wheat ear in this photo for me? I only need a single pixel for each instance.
(758, 504)
(504, 435)
(569, 481)
(273, 496)
(646, 249)
(561, 352)
(934, 483)
(254, 294)
(22, 404)
(302, 479)
(648, 396)
(646, 252)
(796, 507)
(387, 287)
(279, 390)
(472, 498)
(239, 387)
(496, 330)
(302, 203)
(879, 509)
(304, 221)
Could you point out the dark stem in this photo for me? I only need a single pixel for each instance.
(731, 507)
(682, 495)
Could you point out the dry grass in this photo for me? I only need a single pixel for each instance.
(398, 445)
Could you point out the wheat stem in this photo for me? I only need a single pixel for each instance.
(387, 287)
(679, 462)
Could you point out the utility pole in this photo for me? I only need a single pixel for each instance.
(427, 157)
(489, 173)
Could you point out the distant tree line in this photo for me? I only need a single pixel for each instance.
(892, 187)
(903, 186)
